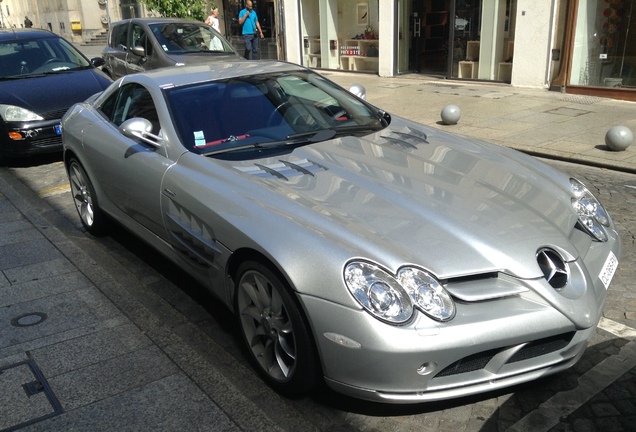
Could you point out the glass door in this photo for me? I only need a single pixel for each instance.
(424, 33)
(483, 41)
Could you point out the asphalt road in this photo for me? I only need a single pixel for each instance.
(605, 373)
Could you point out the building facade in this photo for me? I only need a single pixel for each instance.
(575, 46)
(76, 20)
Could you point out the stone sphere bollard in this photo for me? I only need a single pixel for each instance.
(358, 90)
(618, 138)
(450, 114)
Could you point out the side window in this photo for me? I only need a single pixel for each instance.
(120, 37)
(107, 108)
(140, 38)
(134, 100)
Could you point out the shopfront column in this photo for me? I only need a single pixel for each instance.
(329, 34)
(387, 37)
(493, 24)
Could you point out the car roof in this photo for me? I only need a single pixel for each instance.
(25, 33)
(158, 20)
(190, 74)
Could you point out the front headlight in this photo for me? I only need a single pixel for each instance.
(378, 292)
(592, 215)
(427, 293)
(394, 299)
(16, 113)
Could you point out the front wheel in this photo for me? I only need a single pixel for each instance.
(273, 328)
(85, 200)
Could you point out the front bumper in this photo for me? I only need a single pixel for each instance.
(37, 138)
(489, 344)
(522, 339)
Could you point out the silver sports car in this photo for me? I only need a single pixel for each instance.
(395, 261)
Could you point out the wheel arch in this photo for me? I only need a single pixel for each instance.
(67, 156)
(248, 254)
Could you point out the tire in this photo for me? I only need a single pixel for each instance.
(274, 331)
(85, 200)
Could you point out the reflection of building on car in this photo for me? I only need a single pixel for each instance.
(141, 44)
(470, 266)
(41, 76)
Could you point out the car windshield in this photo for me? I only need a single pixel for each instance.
(267, 110)
(25, 58)
(184, 38)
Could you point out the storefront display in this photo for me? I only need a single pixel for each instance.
(604, 52)
(340, 34)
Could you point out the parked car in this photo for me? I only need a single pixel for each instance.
(41, 76)
(399, 262)
(141, 44)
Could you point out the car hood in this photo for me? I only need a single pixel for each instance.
(52, 92)
(408, 192)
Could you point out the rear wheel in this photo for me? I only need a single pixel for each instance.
(85, 200)
(273, 328)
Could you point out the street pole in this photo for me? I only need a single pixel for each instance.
(1, 16)
(107, 15)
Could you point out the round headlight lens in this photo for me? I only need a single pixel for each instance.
(427, 293)
(592, 214)
(378, 292)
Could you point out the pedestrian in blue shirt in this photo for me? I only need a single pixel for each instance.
(251, 30)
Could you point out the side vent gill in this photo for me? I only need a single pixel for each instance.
(408, 140)
(283, 169)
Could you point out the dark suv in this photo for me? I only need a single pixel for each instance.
(141, 44)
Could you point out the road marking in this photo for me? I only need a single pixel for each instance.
(617, 329)
(595, 380)
(56, 190)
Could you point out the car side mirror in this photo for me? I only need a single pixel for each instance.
(97, 62)
(140, 129)
(138, 51)
(358, 90)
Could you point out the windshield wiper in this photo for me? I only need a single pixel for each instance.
(309, 137)
(314, 136)
(357, 128)
(55, 72)
(15, 77)
(325, 134)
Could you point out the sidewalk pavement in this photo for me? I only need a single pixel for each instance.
(67, 324)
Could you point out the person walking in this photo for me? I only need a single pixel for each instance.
(213, 20)
(27, 22)
(251, 30)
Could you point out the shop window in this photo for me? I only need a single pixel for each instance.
(340, 34)
(604, 51)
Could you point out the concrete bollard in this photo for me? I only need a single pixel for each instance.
(450, 114)
(618, 138)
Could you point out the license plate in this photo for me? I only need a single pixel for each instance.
(58, 129)
(607, 272)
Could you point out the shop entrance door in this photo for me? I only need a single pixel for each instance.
(426, 47)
